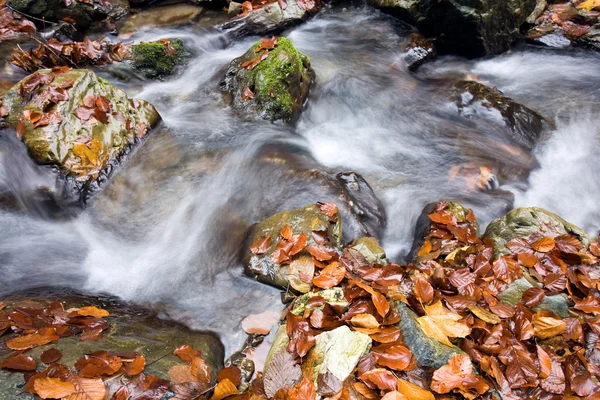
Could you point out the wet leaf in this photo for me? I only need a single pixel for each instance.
(53, 388)
(19, 363)
(97, 364)
(394, 395)
(136, 366)
(300, 273)
(330, 276)
(364, 321)
(224, 389)
(250, 64)
(414, 392)
(282, 373)
(395, 356)
(247, 94)
(543, 245)
(40, 338)
(86, 389)
(233, 373)
(90, 311)
(261, 246)
(260, 324)
(303, 390)
(181, 374)
(533, 296)
(379, 378)
(423, 290)
(286, 232)
(201, 370)
(441, 323)
(266, 44)
(590, 305)
(547, 326)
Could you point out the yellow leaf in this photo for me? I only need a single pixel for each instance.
(52, 388)
(87, 389)
(589, 4)
(484, 314)
(91, 311)
(441, 323)
(224, 389)
(414, 392)
(545, 326)
(365, 321)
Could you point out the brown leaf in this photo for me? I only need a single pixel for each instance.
(32, 116)
(330, 276)
(250, 64)
(423, 290)
(300, 273)
(329, 209)
(97, 364)
(50, 356)
(140, 129)
(233, 373)
(590, 305)
(49, 119)
(224, 389)
(364, 321)
(441, 323)
(451, 375)
(103, 104)
(379, 378)
(286, 232)
(319, 252)
(395, 356)
(87, 389)
(533, 296)
(187, 353)
(21, 126)
(136, 366)
(201, 370)
(543, 245)
(545, 362)
(181, 374)
(53, 388)
(19, 363)
(266, 44)
(39, 338)
(443, 217)
(414, 392)
(546, 325)
(121, 394)
(303, 390)
(261, 246)
(247, 94)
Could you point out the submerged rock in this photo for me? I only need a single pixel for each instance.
(427, 351)
(160, 17)
(473, 99)
(419, 50)
(303, 220)
(272, 17)
(464, 27)
(523, 222)
(132, 329)
(275, 88)
(158, 59)
(79, 124)
(83, 13)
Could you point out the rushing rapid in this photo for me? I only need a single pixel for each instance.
(167, 231)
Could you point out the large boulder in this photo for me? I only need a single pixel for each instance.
(132, 329)
(272, 17)
(465, 27)
(83, 13)
(275, 88)
(79, 124)
(523, 222)
(475, 99)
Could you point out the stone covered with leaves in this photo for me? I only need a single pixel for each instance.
(271, 80)
(84, 13)
(158, 59)
(466, 27)
(306, 228)
(77, 122)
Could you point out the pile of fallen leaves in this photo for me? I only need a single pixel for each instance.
(72, 54)
(13, 24)
(573, 18)
(520, 351)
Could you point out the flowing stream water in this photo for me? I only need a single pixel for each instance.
(167, 231)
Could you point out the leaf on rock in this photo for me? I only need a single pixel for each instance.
(395, 356)
(261, 246)
(86, 389)
(441, 323)
(39, 338)
(53, 388)
(250, 64)
(543, 245)
(224, 389)
(136, 366)
(364, 321)
(379, 378)
(90, 311)
(19, 363)
(50, 356)
(187, 353)
(300, 273)
(414, 392)
(201, 370)
(281, 373)
(233, 373)
(181, 374)
(247, 94)
(330, 276)
(533, 296)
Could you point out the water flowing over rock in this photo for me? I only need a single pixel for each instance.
(476, 99)
(523, 222)
(79, 124)
(272, 17)
(419, 50)
(83, 13)
(275, 88)
(464, 27)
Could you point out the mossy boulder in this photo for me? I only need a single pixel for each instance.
(427, 351)
(82, 143)
(270, 17)
(302, 220)
(158, 59)
(465, 27)
(523, 222)
(475, 99)
(83, 13)
(132, 329)
(279, 84)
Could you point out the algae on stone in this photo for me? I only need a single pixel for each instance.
(153, 60)
(280, 82)
(524, 221)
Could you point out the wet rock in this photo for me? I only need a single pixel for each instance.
(274, 89)
(592, 38)
(83, 13)
(302, 220)
(158, 59)
(427, 351)
(271, 17)
(333, 296)
(464, 27)
(513, 295)
(160, 17)
(84, 151)
(133, 329)
(476, 99)
(419, 50)
(522, 222)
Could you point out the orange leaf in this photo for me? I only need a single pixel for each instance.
(40, 338)
(52, 388)
(90, 311)
(286, 232)
(330, 276)
(543, 245)
(423, 290)
(394, 395)
(381, 378)
(365, 321)
(414, 392)
(261, 245)
(224, 389)
(303, 390)
(136, 366)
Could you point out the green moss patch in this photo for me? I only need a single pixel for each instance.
(158, 59)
